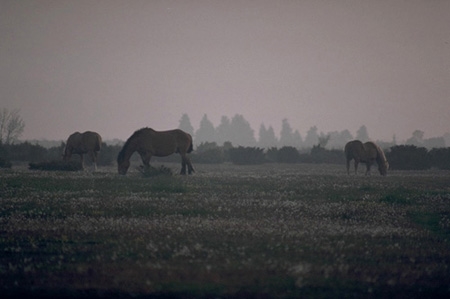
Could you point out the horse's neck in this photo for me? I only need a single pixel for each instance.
(129, 150)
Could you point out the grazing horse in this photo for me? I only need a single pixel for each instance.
(367, 153)
(148, 142)
(83, 143)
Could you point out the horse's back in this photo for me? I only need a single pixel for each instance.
(92, 141)
(371, 149)
(87, 141)
(354, 150)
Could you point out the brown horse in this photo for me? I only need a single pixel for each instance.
(83, 143)
(148, 142)
(367, 153)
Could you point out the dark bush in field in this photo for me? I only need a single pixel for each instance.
(440, 158)
(247, 155)
(319, 154)
(25, 152)
(107, 155)
(56, 165)
(408, 157)
(4, 163)
(208, 153)
(288, 154)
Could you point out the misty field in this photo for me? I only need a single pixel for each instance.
(265, 231)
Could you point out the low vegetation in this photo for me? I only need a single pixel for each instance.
(271, 231)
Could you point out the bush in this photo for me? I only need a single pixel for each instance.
(408, 157)
(288, 154)
(440, 158)
(246, 155)
(209, 153)
(4, 163)
(272, 154)
(26, 152)
(319, 154)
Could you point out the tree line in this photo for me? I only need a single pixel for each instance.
(400, 157)
(233, 141)
(238, 131)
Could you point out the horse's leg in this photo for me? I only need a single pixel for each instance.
(183, 164)
(356, 166)
(93, 155)
(186, 161)
(348, 166)
(95, 160)
(82, 161)
(189, 164)
(146, 159)
(368, 164)
(190, 167)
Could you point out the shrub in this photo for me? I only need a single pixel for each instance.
(209, 153)
(321, 155)
(4, 163)
(246, 155)
(272, 154)
(408, 157)
(440, 158)
(288, 154)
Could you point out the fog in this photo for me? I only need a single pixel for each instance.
(116, 66)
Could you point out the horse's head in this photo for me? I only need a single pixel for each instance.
(122, 164)
(383, 167)
(67, 153)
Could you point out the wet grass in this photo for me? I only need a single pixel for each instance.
(264, 231)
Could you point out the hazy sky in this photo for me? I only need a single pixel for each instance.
(116, 66)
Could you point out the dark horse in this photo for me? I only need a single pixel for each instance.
(367, 153)
(148, 142)
(83, 143)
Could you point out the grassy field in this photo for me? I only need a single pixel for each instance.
(266, 231)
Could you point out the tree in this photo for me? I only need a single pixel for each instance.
(11, 126)
(267, 137)
(312, 137)
(339, 139)
(362, 134)
(323, 140)
(286, 135)
(206, 131)
(185, 124)
(243, 134)
(416, 139)
(223, 131)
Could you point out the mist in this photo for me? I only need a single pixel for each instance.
(117, 66)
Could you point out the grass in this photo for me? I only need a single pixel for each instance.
(262, 231)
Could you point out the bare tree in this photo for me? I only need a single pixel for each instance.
(11, 125)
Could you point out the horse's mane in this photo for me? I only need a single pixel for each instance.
(137, 133)
(380, 157)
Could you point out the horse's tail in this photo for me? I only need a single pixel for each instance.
(191, 148)
(98, 145)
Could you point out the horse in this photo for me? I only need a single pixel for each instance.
(367, 153)
(83, 143)
(148, 142)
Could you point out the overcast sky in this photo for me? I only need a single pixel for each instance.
(116, 66)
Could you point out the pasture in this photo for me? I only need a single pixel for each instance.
(263, 231)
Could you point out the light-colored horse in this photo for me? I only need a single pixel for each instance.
(148, 142)
(366, 153)
(83, 143)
